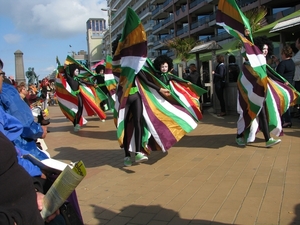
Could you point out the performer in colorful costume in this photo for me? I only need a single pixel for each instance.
(258, 94)
(163, 118)
(76, 93)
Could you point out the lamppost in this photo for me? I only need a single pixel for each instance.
(109, 10)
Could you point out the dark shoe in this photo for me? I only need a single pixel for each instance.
(285, 125)
(45, 122)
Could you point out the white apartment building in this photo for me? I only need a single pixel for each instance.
(118, 13)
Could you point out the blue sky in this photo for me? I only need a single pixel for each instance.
(44, 29)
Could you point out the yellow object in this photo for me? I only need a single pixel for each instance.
(46, 111)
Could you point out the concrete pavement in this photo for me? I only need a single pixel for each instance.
(204, 179)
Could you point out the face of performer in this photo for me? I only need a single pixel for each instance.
(101, 72)
(76, 72)
(164, 67)
(265, 50)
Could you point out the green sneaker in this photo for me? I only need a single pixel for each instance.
(240, 141)
(127, 161)
(105, 107)
(77, 127)
(272, 142)
(140, 157)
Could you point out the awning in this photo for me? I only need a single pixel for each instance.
(266, 29)
(229, 47)
(286, 24)
(206, 47)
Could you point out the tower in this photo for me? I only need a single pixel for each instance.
(19, 67)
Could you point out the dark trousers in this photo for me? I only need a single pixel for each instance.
(220, 94)
(80, 109)
(286, 117)
(135, 108)
(263, 123)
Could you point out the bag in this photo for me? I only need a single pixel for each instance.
(70, 215)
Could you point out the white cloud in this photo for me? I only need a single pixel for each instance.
(53, 18)
(49, 69)
(12, 38)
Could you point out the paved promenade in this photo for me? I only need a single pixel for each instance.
(204, 179)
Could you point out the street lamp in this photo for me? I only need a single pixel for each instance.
(109, 10)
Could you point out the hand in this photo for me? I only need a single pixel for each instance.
(44, 131)
(40, 200)
(213, 72)
(165, 92)
(51, 217)
(189, 83)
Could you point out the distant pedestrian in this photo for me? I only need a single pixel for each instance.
(296, 59)
(286, 68)
(219, 82)
(233, 69)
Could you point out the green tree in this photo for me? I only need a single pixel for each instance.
(182, 47)
(257, 18)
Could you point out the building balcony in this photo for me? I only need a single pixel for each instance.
(145, 14)
(200, 7)
(182, 31)
(157, 45)
(159, 13)
(167, 4)
(138, 5)
(170, 54)
(156, 2)
(162, 27)
(152, 54)
(181, 15)
(149, 26)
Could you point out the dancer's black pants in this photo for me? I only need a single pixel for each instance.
(133, 111)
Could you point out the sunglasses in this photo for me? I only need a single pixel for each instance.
(2, 74)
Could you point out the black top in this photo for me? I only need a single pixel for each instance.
(100, 80)
(233, 72)
(194, 78)
(220, 73)
(18, 201)
(73, 83)
(286, 68)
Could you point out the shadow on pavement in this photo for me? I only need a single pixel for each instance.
(296, 220)
(213, 141)
(104, 157)
(138, 214)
